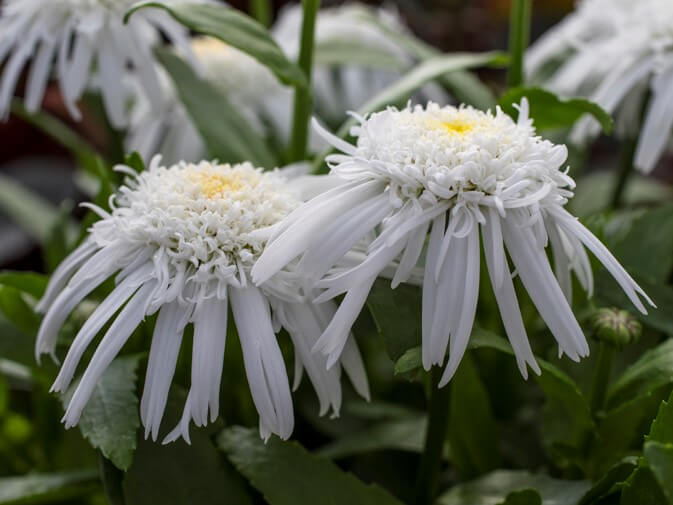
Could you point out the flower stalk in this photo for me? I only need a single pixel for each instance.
(303, 101)
(261, 11)
(438, 424)
(519, 37)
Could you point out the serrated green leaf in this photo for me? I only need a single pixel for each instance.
(18, 311)
(659, 458)
(494, 488)
(110, 419)
(651, 371)
(662, 426)
(287, 474)
(642, 489)
(549, 111)
(180, 474)
(226, 133)
(611, 482)
(402, 435)
(396, 314)
(472, 431)
(31, 283)
(234, 28)
(47, 488)
(430, 69)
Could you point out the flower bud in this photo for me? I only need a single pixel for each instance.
(616, 327)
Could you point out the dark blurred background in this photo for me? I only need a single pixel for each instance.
(25, 152)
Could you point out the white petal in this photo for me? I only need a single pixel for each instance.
(430, 287)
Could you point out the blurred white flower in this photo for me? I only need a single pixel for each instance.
(79, 38)
(454, 171)
(615, 52)
(248, 85)
(181, 242)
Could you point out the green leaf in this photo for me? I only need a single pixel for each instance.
(523, 497)
(495, 487)
(287, 474)
(47, 488)
(409, 361)
(472, 431)
(642, 488)
(18, 311)
(344, 51)
(396, 314)
(135, 161)
(611, 481)
(651, 371)
(400, 90)
(236, 29)
(550, 111)
(110, 419)
(180, 474)
(31, 283)
(225, 132)
(659, 458)
(662, 426)
(402, 435)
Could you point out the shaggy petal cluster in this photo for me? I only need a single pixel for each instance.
(181, 241)
(616, 52)
(86, 43)
(462, 179)
(248, 85)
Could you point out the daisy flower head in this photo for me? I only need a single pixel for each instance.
(180, 241)
(617, 53)
(85, 42)
(466, 178)
(248, 85)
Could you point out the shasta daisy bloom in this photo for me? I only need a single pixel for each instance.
(180, 242)
(615, 52)
(248, 85)
(463, 177)
(78, 38)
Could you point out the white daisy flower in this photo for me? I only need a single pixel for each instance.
(452, 172)
(348, 87)
(615, 52)
(78, 37)
(249, 86)
(181, 242)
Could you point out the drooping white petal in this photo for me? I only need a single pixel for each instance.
(430, 288)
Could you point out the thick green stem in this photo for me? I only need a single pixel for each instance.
(431, 459)
(625, 171)
(519, 36)
(261, 11)
(303, 102)
(602, 373)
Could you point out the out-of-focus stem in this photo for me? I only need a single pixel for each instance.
(519, 36)
(261, 11)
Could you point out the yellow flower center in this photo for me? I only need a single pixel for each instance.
(215, 185)
(457, 127)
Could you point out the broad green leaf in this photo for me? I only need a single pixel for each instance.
(409, 361)
(402, 435)
(662, 426)
(181, 474)
(236, 29)
(549, 111)
(397, 316)
(659, 458)
(494, 488)
(472, 431)
(642, 488)
(287, 474)
(47, 488)
(31, 283)
(652, 370)
(344, 51)
(430, 69)
(28, 209)
(225, 132)
(523, 497)
(611, 482)
(110, 420)
(18, 311)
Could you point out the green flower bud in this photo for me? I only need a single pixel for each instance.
(616, 327)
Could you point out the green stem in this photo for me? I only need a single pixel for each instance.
(303, 103)
(261, 11)
(519, 36)
(602, 373)
(625, 171)
(438, 424)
